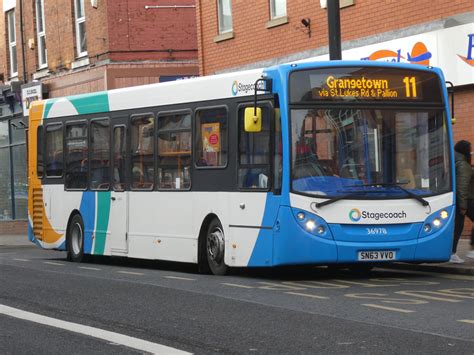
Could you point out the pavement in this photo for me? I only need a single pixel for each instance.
(463, 247)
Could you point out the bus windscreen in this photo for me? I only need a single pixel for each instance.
(364, 84)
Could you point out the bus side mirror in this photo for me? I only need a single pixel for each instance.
(253, 119)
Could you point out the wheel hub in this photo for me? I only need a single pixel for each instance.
(215, 245)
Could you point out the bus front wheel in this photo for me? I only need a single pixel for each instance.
(75, 239)
(215, 248)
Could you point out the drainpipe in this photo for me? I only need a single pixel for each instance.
(25, 79)
(334, 27)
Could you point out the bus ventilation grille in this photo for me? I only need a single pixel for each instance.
(38, 213)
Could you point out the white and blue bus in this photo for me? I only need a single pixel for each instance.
(317, 163)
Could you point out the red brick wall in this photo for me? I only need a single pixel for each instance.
(252, 42)
(150, 34)
(119, 30)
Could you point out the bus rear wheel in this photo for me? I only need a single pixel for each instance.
(215, 248)
(75, 239)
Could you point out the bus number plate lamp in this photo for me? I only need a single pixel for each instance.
(253, 115)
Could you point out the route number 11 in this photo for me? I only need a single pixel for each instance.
(410, 92)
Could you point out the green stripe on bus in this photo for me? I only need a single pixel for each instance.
(103, 213)
(48, 106)
(90, 103)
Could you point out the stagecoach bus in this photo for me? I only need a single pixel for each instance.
(317, 163)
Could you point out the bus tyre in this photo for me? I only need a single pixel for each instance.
(75, 240)
(215, 248)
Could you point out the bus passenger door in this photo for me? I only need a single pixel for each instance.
(254, 207)
(119, 195)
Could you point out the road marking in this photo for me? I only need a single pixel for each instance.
(307, 295)
(21, 259)
(426, 295)
(179, 278)
(112, 337)
(388, 308)
(131, 273)
(237, 285)
(89, 268)
(52, 263)
(470, 321)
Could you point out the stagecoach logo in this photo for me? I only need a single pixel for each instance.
(469, 59)
(242, 88)
(355, 215)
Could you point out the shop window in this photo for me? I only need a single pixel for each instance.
(76, 156)
(54, 160)
(119, 158)
(142, 146)
(39, 149)
(254, 154)
(211, 137)
(174, 151)
(100, 155)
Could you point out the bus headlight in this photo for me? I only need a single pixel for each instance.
(312, 223)
(437, 221)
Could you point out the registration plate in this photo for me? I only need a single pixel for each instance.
(376, 255)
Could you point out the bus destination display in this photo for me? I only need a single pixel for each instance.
(364, 84)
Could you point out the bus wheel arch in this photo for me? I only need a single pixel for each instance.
(75, 237)
(211, 246)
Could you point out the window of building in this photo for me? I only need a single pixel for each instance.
(211, 137)
(39, 156)
(76, 156)
(174, 151)
(277, 9)
(54, 150)
(100, 154)
(12, 43)
(41, 34)
(120, 146)
(224, 14)
(142, 147)
(254, 153)
(81, 38)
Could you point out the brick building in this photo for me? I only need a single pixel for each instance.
(81, 46)
(238, 34)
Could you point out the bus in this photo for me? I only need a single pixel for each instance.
(312, 163)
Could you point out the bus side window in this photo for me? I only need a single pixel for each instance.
(54, 159)
(77, 165)
(39, 149)
(211, 137)
(142, 145)
(100, 154)
(254, 153)
(174, 151)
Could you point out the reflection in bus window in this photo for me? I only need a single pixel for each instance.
(142, 147)
(54, 150)
(100, 155)
(119, 158)
(76, 156)
(211, 140)
(174, 151)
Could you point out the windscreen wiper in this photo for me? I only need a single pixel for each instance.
(398, 185)
(355, 193)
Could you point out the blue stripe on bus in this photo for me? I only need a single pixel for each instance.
(87, 210)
